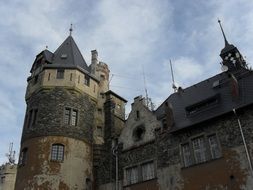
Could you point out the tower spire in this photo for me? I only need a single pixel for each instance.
(71, 29)
(225, 39)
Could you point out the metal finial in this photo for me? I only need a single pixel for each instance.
(225, 39)
(71, 29)
(46, 47)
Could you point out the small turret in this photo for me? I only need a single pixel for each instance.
(231, 56)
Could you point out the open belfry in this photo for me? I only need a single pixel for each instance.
(76, 135)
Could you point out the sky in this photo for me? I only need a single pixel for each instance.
(131, 36)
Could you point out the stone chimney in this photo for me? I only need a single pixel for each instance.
(94, 61)
(94, 57)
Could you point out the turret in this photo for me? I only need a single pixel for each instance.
(231, 56)
(62, 98)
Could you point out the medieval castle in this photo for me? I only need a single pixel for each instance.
(76, 137)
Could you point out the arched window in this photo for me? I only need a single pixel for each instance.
(57, 152)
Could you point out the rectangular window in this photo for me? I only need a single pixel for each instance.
(60, 74)
(99, 131)
(214, 147)
(203, 148)
(70, 116)
(23, 157)
(57, 152)
(67, 116)
(74, 117)
(2, 179)
(35, 112)
(87, 80)
(199, 149)
(186, 152)
(71, 75)
(131, 175)
(148, 171)
(35, 80)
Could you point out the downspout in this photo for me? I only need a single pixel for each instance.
(244, 142)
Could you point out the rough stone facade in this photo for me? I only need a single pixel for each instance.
(192, 141)
(230, 171)
(51, 104)
(7, 176)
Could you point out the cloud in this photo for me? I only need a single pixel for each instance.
(129, 35)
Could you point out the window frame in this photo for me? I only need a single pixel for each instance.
(57, 155)
(23, 157)
(206, 150)
(60, 73)
(86, 80)
(68, 118)
(128, 181)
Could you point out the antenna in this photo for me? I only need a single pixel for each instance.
(172, 76)
(145, 87)
(225, 39)
(11, 154)
(110, 81)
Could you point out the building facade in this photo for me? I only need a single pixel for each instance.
(75, 135)
(8, 173)
(64, 118)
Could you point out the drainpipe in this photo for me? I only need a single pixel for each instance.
(115, 153)
(244, 142)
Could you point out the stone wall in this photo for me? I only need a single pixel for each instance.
(8, 176)
(40, 171)
(50, 117)
(230, 171)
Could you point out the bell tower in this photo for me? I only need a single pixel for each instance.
(231, 56)
(62, 97)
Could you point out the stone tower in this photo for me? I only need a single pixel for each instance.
(64, 117)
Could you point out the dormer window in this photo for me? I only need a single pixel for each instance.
(202, 105)
(64, 56)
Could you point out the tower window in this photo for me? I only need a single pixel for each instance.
(86, 80)
(35, 80)
(60, 74)
(2, 179)
(99, 131)
(23, 156)
(137, 114)
(57, 152)
(32, 118)
(70, 116)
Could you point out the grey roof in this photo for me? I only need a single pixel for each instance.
(68, 55)
(116, 95)
(48, 55)
(210, 98)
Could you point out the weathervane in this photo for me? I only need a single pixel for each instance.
(71, 29)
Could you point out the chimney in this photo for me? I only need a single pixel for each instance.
(94, 57)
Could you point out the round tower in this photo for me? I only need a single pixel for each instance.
(56, 145)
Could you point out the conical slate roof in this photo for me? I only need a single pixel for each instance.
(69, 55)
